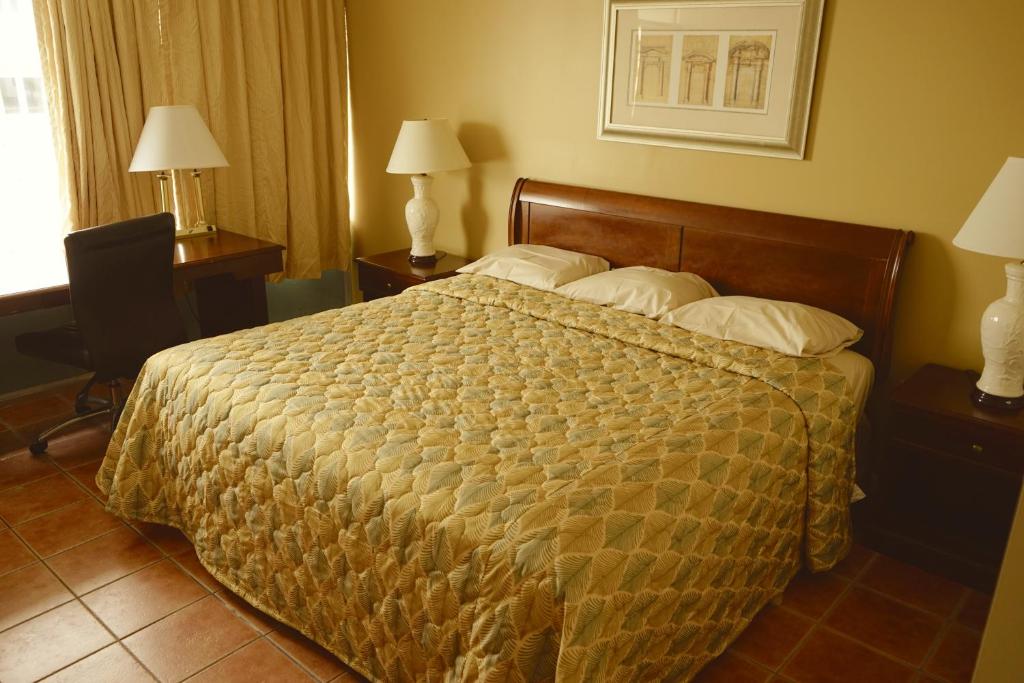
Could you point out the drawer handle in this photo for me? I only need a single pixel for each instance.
(387, 285)
(977, 448)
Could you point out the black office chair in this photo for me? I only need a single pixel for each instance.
(122, 297)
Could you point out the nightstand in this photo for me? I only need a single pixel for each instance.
(950, 477)
(389, 273)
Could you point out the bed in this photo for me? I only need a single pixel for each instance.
(475, 480)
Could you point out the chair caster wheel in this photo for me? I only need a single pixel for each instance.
(38, 447)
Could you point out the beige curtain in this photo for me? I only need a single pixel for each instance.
(93, 70)
(269, 78)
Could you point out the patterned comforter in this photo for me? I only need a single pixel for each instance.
(475, 480)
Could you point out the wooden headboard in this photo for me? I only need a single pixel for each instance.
(845, 268)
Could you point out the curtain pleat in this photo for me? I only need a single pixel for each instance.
(268, 76)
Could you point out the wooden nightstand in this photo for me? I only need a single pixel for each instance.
(389, 273)
(950, 477)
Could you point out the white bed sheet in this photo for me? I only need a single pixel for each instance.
(860, 373)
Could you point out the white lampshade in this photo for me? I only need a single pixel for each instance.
(175, 137)
(996, 226)
(427, 146)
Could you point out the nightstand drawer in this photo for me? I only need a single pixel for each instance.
(390, 273)
(964, 508)
(380, 283)
(959, 440)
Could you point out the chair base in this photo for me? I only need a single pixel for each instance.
(83, 412)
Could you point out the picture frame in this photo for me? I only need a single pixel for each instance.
(720, 75)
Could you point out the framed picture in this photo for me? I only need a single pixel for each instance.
(721, 75)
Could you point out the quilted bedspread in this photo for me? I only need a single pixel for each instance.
(475, 480)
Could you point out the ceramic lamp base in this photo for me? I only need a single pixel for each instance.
(996, 404)
(1001, 385)
(426, 260)
(421, 216)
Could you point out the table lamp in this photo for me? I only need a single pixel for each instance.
(996, 227)
(174, 138)
(425, 146)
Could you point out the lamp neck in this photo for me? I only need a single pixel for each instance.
(1015, 282)
(421, 185)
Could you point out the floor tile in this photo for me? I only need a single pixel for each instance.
(955, 658)
(27, 592)
(728, 668)
(974, 612)
(826, 657)
(50, 642)
(22, 503)
(67, 527)
(30, 432)
(916, 586)
(10, 442)
(30, 409)
(79, 446)
(257, 661)
(189, 640)
(321, 663)
(139, 599)
(21, 467)
(112, 664)
(893, 628)
(772, 635)
(813, 594)
(190, 563)
(13, 553)
(103, 560)
(167, 538)
(854, 563)
(257, 619)
(86, 476)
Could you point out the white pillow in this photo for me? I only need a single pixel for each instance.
(790, 328)
(536, 265)
(639, 289)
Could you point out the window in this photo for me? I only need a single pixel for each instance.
(9, 90)
(33, 216)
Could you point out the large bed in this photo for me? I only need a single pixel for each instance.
(476, 480)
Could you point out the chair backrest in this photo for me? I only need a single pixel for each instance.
(122, 292)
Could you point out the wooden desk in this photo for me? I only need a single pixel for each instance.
(227, 271)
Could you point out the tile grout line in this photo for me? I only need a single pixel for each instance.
(120, 640)
(947, 627)
(70, 547)
(74, 595)
(75, 598)
(58, 473)
(309, 672)
(819, 621)
(259, 636)
(746, 658)
(821, 624)
(947, 624)
(917, 608)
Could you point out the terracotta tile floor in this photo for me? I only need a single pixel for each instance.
(85, 596)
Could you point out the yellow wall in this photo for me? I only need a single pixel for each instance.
(917, 104)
